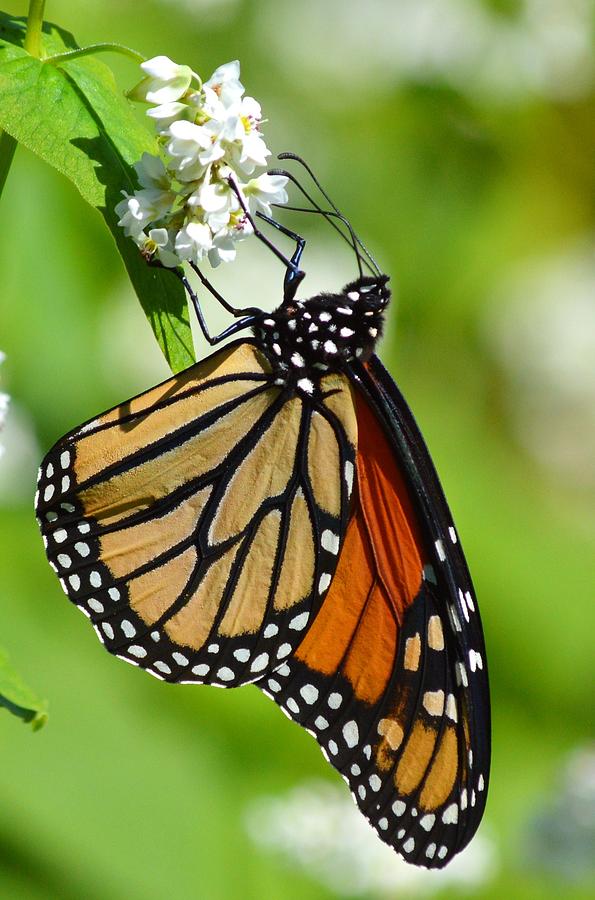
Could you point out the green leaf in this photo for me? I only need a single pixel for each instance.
(18, 698)
(74, 117)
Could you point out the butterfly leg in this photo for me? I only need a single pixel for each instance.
(247, 311)
(248, 314)
(245, 322)
(293, 274)
(291, 265)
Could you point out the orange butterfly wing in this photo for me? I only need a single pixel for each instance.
(374, 679)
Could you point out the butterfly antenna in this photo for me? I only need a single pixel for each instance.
(304, 164)
(328, 215)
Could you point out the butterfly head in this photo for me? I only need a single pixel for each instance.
(366, 299)
(370, 292)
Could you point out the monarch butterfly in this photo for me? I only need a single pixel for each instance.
(272, 515)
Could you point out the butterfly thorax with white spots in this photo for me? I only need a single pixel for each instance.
(305, 339)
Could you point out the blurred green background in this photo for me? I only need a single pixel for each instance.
(459, 138)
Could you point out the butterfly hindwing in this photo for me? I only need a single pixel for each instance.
(377, 678)
(198, 526)
(452, 579)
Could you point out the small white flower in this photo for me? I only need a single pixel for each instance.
(212, 197)
(248, 149)
(218, 220)
(217, 133)
(140, 209)
(152, 173)
(167, 113)
(236, 229)
(216, 201)
(223, 249)
(250, 153)
(225, 83)
(250, 112)
(193, 241)
(153, 201)
(267, 189)
(210, 106)
(165, 82)
(187, 139)
(159, 243)
(193, 147)
(134, 214)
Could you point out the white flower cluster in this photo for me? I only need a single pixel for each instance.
(3, 405)
(186, 208)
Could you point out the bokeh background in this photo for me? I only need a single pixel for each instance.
(459, 137)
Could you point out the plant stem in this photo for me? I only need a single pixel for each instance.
(32, 45)
(34, 25)
(96, 48)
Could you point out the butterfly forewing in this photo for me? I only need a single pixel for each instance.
(378, 677)
(198, 525)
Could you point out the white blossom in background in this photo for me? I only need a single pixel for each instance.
(317, 827)
(540, 327)
(560, 836)
(19, 451)
(213, 12)
(208, 134)
(3, 405)
(539, 47)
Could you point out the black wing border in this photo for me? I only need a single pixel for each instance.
(454, 579)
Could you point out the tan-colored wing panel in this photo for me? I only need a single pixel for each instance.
(152, 594)
(95, 452)
(324, 465)
(263, 473)
(127, 549)
(140, 487)
(297, 571)
(248, 603)
(218, 497)
(340, 400)
(190, 627)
